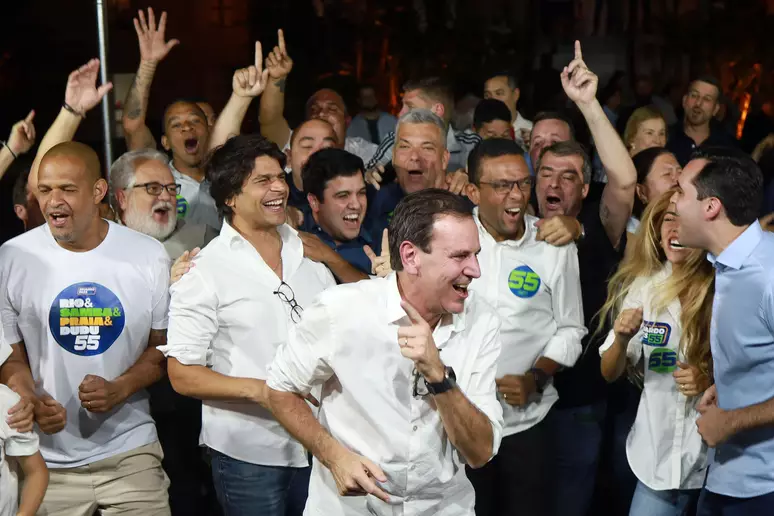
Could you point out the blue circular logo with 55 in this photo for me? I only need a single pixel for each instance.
(523, 282)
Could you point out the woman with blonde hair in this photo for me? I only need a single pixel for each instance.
(661, 297)
(646, 128)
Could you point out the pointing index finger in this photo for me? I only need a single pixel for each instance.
(412, 313)
(258, 57)
(578, 53)
(30, 116)
(281, 38)
(385, 243)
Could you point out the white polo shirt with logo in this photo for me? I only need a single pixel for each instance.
(85, 313)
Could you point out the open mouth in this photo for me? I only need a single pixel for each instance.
(58, 219)
(277, 205)
(512, 212)
(415, 172)
(675, 244)
(461, 288)
(191, 145)
(351, 219)
(553, 202)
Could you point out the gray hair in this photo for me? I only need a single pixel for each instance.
(122, 172)
(568, 148)
(423, 116)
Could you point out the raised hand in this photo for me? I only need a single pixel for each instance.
(579, 83)
(82, 93)
(380, 265)
(628, 323)
(251, 81)
(374, 176)
(22, 135)
(151, 39)
(278, 62)
(457, 181)
(416, 343)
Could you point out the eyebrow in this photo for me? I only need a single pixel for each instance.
(562, 170)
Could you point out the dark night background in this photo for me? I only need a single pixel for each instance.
(383, 42)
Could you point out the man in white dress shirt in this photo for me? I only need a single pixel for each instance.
(505, 87)
(535, 287)
(229, 314)
(407, 367)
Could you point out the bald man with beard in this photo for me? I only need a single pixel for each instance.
(84, 309)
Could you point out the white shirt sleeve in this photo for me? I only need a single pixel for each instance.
(160, 315)
(633, 299)
(193, 319)
(9, 318)
(564, 347)
(481, 390)
(17, 444)
(304, 359)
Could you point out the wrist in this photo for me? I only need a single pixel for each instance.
(121, 388)
(8, 151)
(436, 373)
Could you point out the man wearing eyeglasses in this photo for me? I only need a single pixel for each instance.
(535, 287)
(246, 291)
(407, 368)
(144, 196)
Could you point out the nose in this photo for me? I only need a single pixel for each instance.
(516, 193)
(279, 185)
(472, 268)
(353, 203)
(165, 195)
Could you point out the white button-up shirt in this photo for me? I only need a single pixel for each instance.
(535, 288)
(664, 447)
(224, 313)
(348, 340)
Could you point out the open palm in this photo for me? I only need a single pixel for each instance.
(151, 39)
(82, 93)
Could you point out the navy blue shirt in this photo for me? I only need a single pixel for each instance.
(683, 146)
(351, 251)
(296, 197)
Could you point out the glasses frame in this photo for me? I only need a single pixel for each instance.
(295, 309)
(154, 184)
(499, 187)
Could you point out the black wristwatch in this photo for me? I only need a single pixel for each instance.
(541, 379)
(449, 382)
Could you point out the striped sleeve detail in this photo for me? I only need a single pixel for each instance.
(383, 154)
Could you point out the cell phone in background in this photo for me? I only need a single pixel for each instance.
(389, 174)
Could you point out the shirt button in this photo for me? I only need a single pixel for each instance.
(415, 428)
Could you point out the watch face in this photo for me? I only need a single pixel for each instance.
(451, 374)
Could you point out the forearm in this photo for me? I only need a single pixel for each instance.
(468, 429)
(754, 416)
(149, 369)
(35, 484)
(230, 120)
(294, 414)
(6, 160)
(343, 270)
(136, 131)
(62, 130)
(547, 365)
(613, 361)
(16, 374)
(273, 123)
(612, 151)
(200, 382)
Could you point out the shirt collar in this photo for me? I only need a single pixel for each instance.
(292, 248)
(513, 243)
(452, 145)
(395, 312)
(737, 252)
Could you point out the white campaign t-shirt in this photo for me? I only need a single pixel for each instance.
(12, 444)
(85, 313)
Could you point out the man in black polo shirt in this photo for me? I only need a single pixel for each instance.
(333, 232)
(701, 104)
(563, 171)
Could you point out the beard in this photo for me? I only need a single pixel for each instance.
(145, 223)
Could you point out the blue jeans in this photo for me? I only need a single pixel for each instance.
(712, 504)
(246, 489)
(671, 502)
(577, 441)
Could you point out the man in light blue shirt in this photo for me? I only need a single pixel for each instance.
(718, 202)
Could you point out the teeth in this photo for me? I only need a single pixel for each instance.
(513, 211)
(273, 203)
(676, 244)
(351, 217)
(463, 287)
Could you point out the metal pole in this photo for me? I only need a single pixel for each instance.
(107, 105)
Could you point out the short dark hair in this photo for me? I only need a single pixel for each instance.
(180, 101)
(415, 216)
(513, 81)
(735, 179)
(19, 193)
(436, 88)
(232, 163)
(555, 115)
(490, 109)
(326, 165)
(568, 148)
(491, 148)
(711, 80)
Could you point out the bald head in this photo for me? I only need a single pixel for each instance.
(75, 153)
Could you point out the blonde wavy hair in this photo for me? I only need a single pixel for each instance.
(693, 283)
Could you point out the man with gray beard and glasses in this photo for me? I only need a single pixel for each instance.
(144, 197)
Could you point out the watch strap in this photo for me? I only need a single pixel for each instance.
(448, 383)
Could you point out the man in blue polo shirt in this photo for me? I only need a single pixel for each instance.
(336, 191)
(718, 202)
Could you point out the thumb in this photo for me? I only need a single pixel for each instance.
(172, 43)
(104, 89)
(682, 365)
(194, 252)
(374, 470)
(370, 253)
(49, 401)
(540, 222)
